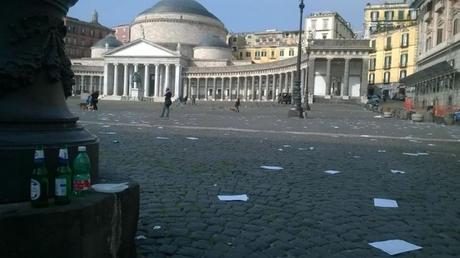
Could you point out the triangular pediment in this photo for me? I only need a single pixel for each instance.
(141, 48)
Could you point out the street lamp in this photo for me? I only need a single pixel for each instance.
(297, 90)
(307, 94)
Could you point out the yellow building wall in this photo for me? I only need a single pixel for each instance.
(395, 53)
(241, 54)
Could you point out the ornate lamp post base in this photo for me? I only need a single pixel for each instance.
(35, 79)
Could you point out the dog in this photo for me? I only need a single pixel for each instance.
(83, 106)
(233, 109)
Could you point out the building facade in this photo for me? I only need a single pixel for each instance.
(393, 58)
(388, 16)
(122, 33)
(195, 59)
(436, 84)
(328, 25)
(264, 47)
(82, 35)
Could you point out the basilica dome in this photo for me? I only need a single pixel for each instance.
(177, 21)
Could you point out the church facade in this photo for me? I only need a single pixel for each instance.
(178, 44)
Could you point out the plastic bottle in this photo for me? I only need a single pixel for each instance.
(81, 169)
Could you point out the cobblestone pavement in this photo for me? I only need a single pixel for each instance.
(297, 212)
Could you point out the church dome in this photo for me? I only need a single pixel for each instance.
(170, 22)
(179, 6)
(110, 41)
(213, 41)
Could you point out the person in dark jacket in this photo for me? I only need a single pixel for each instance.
(94, 100)
(237, 105)
(167, 103)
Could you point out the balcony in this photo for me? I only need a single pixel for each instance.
(387, 48)
(439, 6)
(428, 17)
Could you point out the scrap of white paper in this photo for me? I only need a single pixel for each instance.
(382, 151)
(141, 237)
(162, 138)
(312, 148)
(394, 171)
(385, 203)
(242, 197)
(192, 138)
(287, 146)
(378, 117)
(331, 172)
(156, 227)
(416, 154)
(271, 167)
(280, 149)
(393, 247)
(111, 133)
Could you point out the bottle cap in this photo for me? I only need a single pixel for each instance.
(63, 154)
(39, 154)
(81, 148)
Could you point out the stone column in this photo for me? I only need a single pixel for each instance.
(106, 80)
(253, 88)
(157, 81)
(115, 79)
(136, 70)
(214, 89)
(291, 86)
(260, 87)
(166, 77)
(206, 92)
(197, 92)
(345, 85)
(82, 84)
(311, 77)
(222, 91)
(91, 84)
(267, 86)
(328, 77)
(230, 85)
(101, 80)
(146, 80)
(125, 81)
(238, 87)
(364, 79)
(177, 81)
(302, 84)
(275, 85)
(245, 88)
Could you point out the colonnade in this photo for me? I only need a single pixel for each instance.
(141, 80)
(87, 83)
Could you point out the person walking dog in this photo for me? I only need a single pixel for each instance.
(167, 103)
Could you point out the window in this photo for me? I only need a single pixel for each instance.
(241, 55)
(386, 77)
(257, 54)
(450, 101)
(403, 60)
(372, 64)
(428, 44)
(439, 36)
(264, 53)
(389, 15)
(373, 44)
(413, 14)
(273, 53)
(388, 45)
(291, 52)
(456, 28)
(313, 25)
(387, 64)
(405, 40)
(325, 24)
(234, 39)
(374, 16)
(281, 52)
(402, 74)
(248, 54)
(401, 15)
(371, 78)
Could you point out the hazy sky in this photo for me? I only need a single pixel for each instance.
(237, 15)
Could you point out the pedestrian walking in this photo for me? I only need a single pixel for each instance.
(237, 105)
(167, 103)
(94, 100)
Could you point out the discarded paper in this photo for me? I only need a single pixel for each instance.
(393, 247)
(394, 171)
(385, 203)
(228, 198)
(110, 188)
(192, 138)
(271, 167)
(331, 172)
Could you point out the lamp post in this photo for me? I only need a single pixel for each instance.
(307, 95)
(297, 89)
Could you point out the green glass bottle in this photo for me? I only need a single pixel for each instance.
(39, 181)
(63, 180)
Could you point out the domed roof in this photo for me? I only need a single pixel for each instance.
(109, 41)
(213, 41)
(179, 6)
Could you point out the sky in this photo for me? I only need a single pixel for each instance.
(237, 15)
